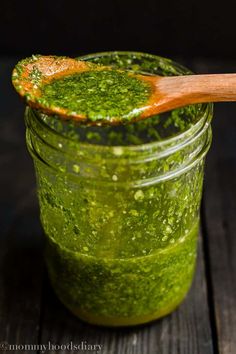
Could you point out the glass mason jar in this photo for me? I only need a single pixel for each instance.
(120, 205)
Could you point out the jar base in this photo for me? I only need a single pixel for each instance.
(106, 321)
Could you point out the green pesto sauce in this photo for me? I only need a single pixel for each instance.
(119, 251)
(98, 94)
(123, 291)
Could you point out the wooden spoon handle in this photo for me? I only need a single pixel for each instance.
(200, 88)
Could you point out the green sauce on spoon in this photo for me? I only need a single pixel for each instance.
(103, 94)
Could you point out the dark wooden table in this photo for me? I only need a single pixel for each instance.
(30, 312)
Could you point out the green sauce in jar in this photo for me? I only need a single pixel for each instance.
(120, 205)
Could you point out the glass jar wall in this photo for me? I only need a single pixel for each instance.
(120, 205)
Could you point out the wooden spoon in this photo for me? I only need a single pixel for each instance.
(167, 93)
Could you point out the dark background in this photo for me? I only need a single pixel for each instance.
(183, 28)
